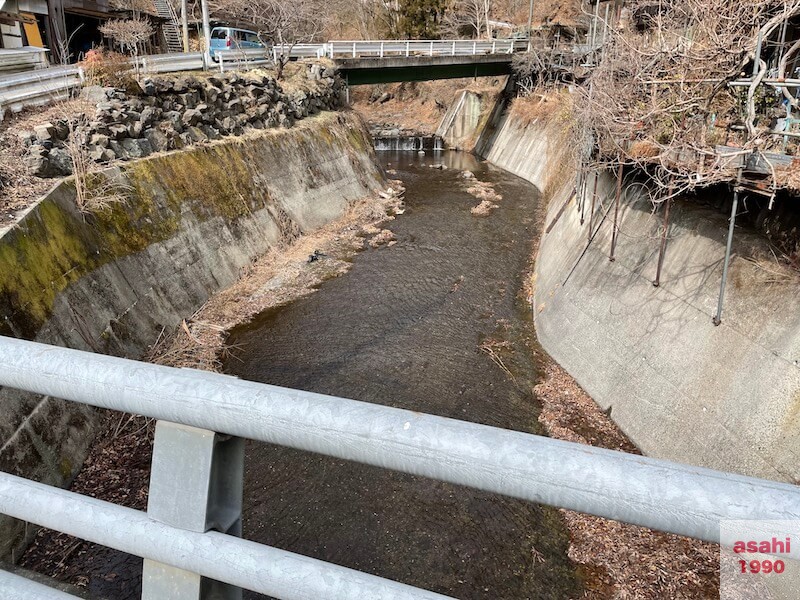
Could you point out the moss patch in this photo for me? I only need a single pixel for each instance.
(55, 245)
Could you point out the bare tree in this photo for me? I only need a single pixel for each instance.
(130, 35)
(95, 190)
(277, 22)
(360, 19)
(660, 97)
(469, 17)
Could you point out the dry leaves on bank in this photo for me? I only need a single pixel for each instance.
(621, 561)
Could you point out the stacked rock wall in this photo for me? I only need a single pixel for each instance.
(173, 112)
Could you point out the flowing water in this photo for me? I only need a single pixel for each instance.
(397, 144)
(437, 323)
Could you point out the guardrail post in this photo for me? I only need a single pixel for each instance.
(453, 53)
(354, 49)
(431, 51)
(408, 47)
(494, 47)
(381, 49)
(195, 484)
(474, 47)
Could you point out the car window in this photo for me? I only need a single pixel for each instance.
(219, 34)
(252, 38)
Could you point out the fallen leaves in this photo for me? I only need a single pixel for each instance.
(621, 561)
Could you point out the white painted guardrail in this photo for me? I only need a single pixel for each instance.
(14, 60)
(34, 88)
(169, 63)
(659, 494)
(392, 48)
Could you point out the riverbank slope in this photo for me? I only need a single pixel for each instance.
(726, 397)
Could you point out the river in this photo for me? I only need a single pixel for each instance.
(437, 323)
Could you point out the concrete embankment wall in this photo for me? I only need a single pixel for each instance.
(111, 281)
(472, 115)
(726, 397)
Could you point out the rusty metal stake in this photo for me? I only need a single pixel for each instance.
(718, 317)
(612, 258)
(594, 199)
(663, 249)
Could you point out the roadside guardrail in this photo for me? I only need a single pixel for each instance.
(34, 88)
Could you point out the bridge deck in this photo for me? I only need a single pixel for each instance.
(360, 71)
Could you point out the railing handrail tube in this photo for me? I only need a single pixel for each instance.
(243, 563)
(18, 587)
(654, 493)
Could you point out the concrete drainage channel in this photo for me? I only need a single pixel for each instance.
(433, 322)
(404, 326)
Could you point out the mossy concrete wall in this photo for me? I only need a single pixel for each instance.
(725, 397)
(112, 280)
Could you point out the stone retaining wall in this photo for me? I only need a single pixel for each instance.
(173, 112)
(111, 281)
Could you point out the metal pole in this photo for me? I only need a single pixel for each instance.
(732, 224)
(206, 33)
(220, 557)
(594, 199)
(185, 23)
(530, 24)
(786, 126)
(663, 248)
(611, 257)
(659, 494)
(783, 41)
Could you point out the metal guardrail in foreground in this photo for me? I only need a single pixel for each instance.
(17, 587)
(634, 489)
(220, 557)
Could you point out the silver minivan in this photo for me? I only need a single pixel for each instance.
(230, 38)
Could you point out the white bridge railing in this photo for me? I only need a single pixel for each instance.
(190, 533)
(393, 48)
